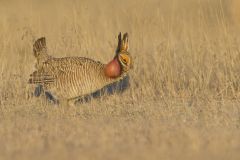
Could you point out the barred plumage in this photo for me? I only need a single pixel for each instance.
(69, 78)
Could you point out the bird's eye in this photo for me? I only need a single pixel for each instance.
(124, 58)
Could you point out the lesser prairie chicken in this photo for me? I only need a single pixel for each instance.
(70, 78)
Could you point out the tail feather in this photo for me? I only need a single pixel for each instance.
(40, 49)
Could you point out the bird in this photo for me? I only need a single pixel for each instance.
(68, 79)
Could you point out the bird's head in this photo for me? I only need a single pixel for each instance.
(122, 62)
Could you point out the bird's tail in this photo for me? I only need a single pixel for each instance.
(40, 49)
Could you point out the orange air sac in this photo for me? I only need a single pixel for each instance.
(113, 69)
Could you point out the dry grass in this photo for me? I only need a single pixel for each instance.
(183, 102)
(235, 11)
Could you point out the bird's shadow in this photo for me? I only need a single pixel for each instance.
(116, 87)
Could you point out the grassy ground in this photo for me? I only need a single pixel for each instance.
(183, 102)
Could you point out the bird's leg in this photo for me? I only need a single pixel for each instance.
(38, 90)
(51, 98)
